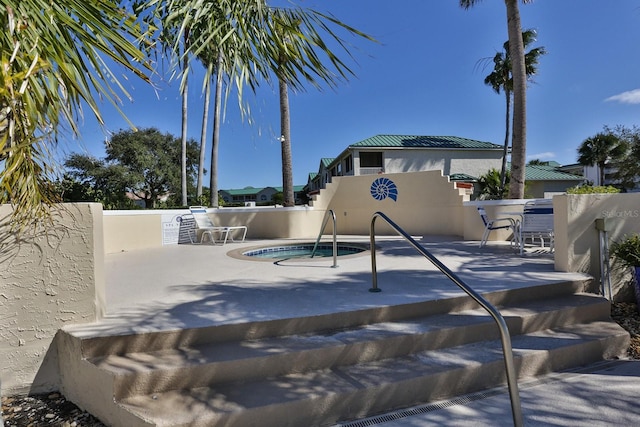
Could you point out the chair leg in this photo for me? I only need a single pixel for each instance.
(207, 233)
(485, 236)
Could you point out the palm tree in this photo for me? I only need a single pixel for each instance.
(53, 65)
(227, 31)
(294, 50)
(501, 79)
(518, 71)
(599, 150)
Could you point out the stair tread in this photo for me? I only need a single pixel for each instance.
(178, 358)
(212, 403)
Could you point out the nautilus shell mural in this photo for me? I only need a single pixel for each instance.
(382, 188)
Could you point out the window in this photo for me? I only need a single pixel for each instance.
(371, 159)
(348, 164)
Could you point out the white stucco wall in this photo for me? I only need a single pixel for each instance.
(471, 162)
(577, 239)
(48, 278)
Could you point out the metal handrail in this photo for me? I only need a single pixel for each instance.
(507, 349)
(335, 241)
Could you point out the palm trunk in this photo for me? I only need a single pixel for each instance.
(185, 90)
(519, 145)
(285, 129)
(203, 136)
(505, 150)
(215, 143)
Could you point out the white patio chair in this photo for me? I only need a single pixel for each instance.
(537, 223)
(208, 228)
(496, 224)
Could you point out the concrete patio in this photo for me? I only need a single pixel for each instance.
(181, 286)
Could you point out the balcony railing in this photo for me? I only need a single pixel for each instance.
(371, 171)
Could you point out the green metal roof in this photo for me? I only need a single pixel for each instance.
(462, 177)
(252, 190)
(548, 173)
(418, 141)
(326, 161)
(243, 191)
(296, 188)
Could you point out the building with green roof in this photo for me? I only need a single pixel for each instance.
(410, 153)
(259, 196)
(544, 180)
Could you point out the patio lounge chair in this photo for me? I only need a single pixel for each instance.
(496, 224)
(537, 223)
(208, 228)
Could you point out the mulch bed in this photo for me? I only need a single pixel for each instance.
(53, 409)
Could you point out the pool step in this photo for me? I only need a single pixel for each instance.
(322, 369)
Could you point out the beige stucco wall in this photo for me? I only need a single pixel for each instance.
(48, 278)
(427, 203)
(577, 240)
(133, 230)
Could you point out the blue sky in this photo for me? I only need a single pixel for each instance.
(423, 78)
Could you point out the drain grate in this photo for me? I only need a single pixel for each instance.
(471, 397)
(422, 409)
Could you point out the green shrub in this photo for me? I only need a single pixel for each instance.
(627, 251)
(590, 189)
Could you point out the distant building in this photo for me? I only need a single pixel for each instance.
(410, 153)
(592, 175)
(548, 178)
(262, 195)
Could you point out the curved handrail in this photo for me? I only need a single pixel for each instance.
(507, 349)
(335, 241)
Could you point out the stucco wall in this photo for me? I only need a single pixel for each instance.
(577, 240)
(426, 203)
(134, 230)
(48, 278)
(471, 162)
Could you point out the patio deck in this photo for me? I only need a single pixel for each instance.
(183, 286)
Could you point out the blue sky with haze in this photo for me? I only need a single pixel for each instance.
(425, 77)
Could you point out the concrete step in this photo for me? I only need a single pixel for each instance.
(101, 342)
(326, 396)
(244, 360)
(331, 367)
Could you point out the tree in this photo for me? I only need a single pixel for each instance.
(491, 186)
(501, 79)
(600, 149)
(249, 44)
(229, 32)
(92, 179)
(297, 43)
(628, 164)
(144, 163)
(53, 65)
(518, 70)
(184, 91)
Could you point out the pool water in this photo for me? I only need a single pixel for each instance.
(302, 251)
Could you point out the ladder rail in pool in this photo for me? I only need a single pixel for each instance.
(507, 349)
(335, 241)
